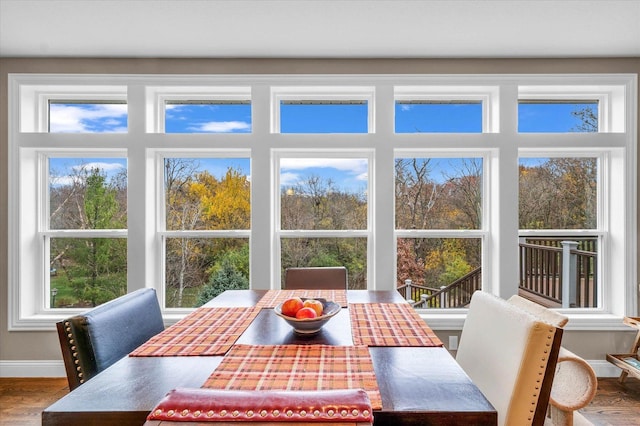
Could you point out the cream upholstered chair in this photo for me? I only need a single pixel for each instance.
(189, 406)
(511, 355)
(329, 277)
(574, 383)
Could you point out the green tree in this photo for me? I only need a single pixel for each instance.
(101, 261)
(226, 278)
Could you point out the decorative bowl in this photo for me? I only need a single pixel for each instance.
(310, 325)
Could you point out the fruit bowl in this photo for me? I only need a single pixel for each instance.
(310, 325)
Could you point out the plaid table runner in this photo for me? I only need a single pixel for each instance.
(273, 297)
(297, 367)
(205, 331)
(389, 324)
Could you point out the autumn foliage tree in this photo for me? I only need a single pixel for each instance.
(196, 200)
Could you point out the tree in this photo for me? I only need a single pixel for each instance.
(559, 193)
(102, 261)
(409, 265)
(588, 119)
(227, 278)
(196, 200)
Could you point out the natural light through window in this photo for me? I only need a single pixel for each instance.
(207, 117)
(431, 186)
(87, 117)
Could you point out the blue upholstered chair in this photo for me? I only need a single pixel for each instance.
(92, 341)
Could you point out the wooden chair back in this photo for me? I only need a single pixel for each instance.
(333, 278)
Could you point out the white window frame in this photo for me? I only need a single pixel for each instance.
(161, 228)
(452, 317)
(500, 143)
(487, 95)
(280, 233)
(325, 93)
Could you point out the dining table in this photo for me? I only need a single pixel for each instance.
(376, 342)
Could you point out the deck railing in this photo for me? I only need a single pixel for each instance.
(455, 295)
(555, 271)
(563, 272)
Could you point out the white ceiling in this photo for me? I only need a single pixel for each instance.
(319, 28)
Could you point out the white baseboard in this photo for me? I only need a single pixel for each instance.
(604, 368)
(56, 368)
(32, 369)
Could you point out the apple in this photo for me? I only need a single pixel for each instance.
(306, 313)
(316, 305)
(290, 307)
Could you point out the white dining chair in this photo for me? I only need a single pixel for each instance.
(511, 355)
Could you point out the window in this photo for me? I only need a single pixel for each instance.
(207, 117)
(87, 117)
(203, 183)
(324, 213)
(319, 110)
(438, 117)
(207, 204)
(560, 230)
(323, 117)
(436, 199)
(558, 117)
(84, 235)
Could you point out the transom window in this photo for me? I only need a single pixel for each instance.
(434, 186)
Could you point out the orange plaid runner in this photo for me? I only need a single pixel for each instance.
(273, 297)
(205, 331)
(297, 367)
(389, 324)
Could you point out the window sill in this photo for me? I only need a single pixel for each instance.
(443, 320)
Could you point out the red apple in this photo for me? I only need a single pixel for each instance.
(306, 313)
(316, 305)
(290, 307)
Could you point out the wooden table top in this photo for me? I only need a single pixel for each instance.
(418, 385)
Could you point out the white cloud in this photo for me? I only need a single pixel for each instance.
(62, 180)
(87, 118)
(106, 167)
(289, 179)
(222, 126)
(354, 165)
(363, 177)
(405, 107)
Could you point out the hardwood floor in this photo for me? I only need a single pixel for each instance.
(22, 401)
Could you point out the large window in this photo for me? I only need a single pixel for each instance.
(207, 205)
(324, 213)
(435, 186)
(439, 224)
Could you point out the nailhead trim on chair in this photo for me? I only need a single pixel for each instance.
(74, 353)
(250, 413)
(185, 404)
(542, 368)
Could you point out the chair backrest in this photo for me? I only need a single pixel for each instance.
(191, 406)
(511, 355)
(545, 314)
(331, 277)
(92, 341)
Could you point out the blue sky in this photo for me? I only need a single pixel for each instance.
(347, 173)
